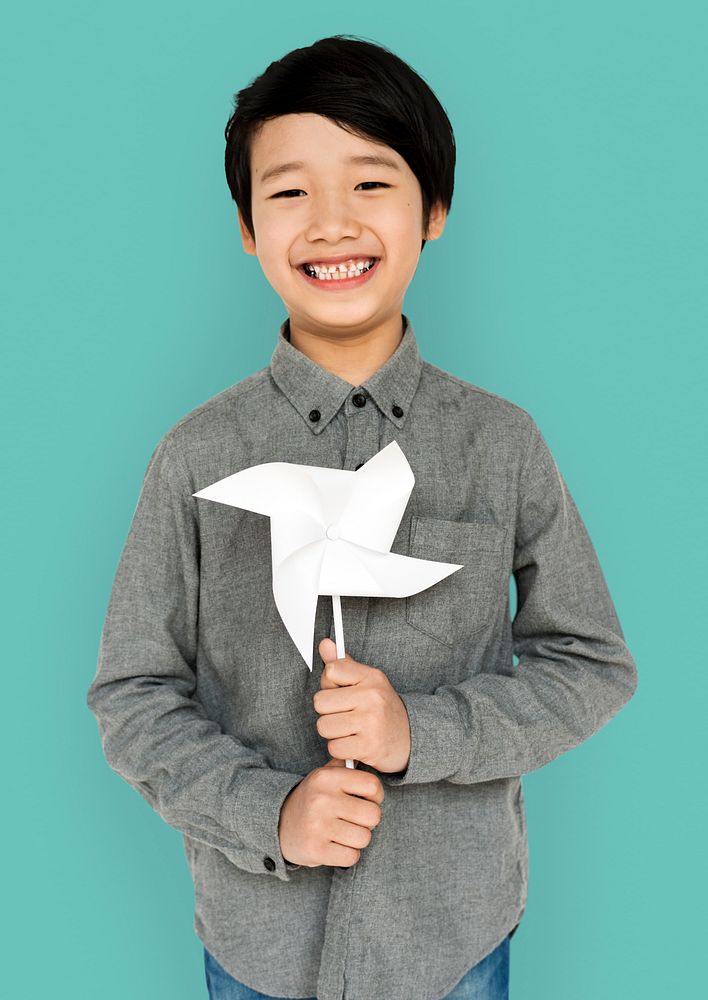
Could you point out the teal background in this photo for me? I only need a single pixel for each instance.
(570, 279)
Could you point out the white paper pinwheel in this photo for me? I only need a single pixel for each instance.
(331, 532)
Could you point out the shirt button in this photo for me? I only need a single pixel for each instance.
(397, 411)
(269, 864)
(314, 416)
(358, 399)
(358, 466)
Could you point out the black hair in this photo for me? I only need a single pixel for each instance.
(365, 89)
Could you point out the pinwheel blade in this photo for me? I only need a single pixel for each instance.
(377, 499)
(271, 488)
(359, 572)
(295, 589)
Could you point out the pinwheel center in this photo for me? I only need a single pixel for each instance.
(332, 531)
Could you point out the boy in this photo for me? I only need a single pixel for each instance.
(404, 877)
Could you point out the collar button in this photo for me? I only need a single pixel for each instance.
(314, 416)
(359, 399)
(397, 411)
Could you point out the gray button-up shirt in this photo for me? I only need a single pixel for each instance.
(205, 706)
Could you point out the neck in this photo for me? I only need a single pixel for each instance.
(353, 357)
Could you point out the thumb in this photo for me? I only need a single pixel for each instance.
(335, 762)
(328, 650)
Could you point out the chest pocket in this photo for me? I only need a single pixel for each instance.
(463, 602)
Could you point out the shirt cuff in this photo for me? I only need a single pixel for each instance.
(262, 792)
(436, 740)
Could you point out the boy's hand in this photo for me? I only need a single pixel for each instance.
(361, 715)
(328, 818)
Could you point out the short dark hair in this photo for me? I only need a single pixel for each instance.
(360, 86)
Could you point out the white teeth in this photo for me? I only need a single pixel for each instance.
(333, 272)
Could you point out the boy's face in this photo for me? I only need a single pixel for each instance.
(333, 207)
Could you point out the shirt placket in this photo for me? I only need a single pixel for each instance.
(362, 423)
(363, 436)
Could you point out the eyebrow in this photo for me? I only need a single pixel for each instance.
(372, 160)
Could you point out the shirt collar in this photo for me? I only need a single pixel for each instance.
(317, 394)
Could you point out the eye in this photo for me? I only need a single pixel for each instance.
(282, 194)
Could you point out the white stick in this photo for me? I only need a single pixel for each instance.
(339, 639)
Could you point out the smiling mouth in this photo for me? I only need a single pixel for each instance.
(329, 282)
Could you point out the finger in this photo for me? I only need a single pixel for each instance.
(338, 725)
(335, 762)
(344, 699)
(325, 682)
(346, 748)
(327, 649)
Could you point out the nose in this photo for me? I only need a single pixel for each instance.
(331, 218)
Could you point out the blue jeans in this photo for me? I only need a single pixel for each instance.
(488, 980)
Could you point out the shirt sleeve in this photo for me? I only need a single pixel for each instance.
(574, 671)
(154, 731)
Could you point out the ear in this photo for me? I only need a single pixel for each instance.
(249, 244)
(436, 223)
